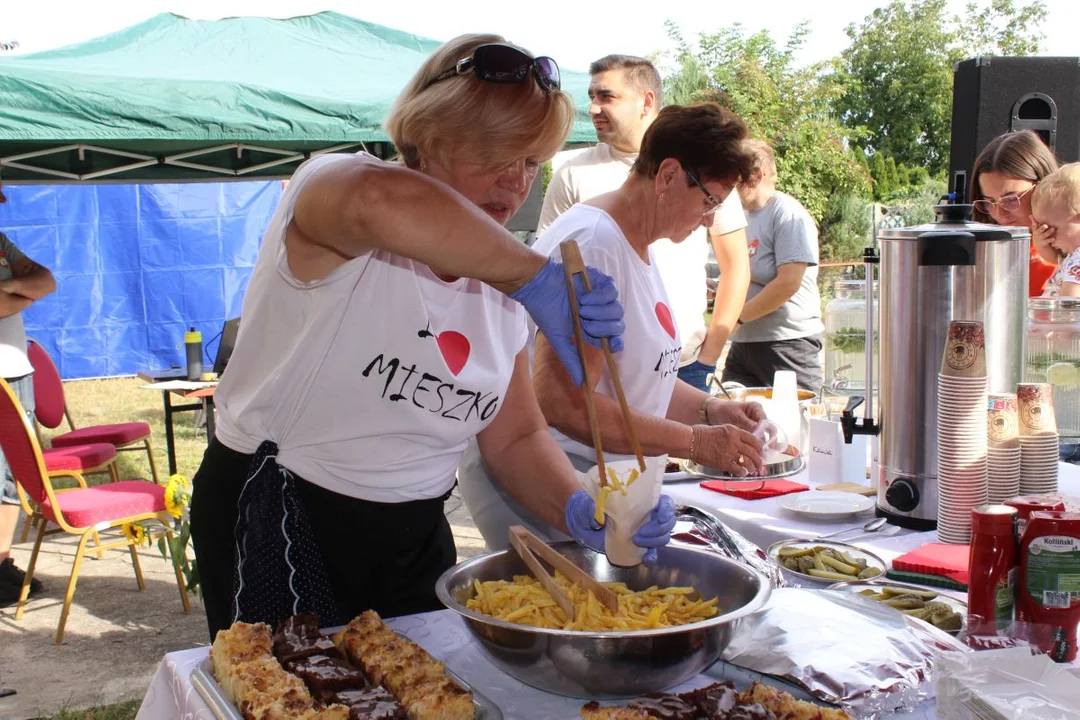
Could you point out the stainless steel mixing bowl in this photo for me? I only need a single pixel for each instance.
(610, 665)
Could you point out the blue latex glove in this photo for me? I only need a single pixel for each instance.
(656, 532)
(545, 298)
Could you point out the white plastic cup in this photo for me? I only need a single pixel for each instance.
(785, 400)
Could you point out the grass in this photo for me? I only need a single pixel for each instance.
(114, 400)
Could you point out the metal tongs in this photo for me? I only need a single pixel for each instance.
(526, 544)
(573, 264)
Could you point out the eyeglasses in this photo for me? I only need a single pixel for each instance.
(711, 200)
(1009, 203)
(500, 63)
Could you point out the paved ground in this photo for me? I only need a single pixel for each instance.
(115, 634)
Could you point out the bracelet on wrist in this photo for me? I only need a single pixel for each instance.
(695, 432)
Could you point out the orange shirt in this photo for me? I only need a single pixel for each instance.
(1038, 273)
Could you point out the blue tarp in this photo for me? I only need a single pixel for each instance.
(135, 266)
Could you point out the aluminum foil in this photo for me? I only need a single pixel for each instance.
(717, 536)
(843, 648)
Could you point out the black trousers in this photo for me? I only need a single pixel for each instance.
(379, 556)
(753, 364)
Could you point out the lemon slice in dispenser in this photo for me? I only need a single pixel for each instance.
(1063, 374)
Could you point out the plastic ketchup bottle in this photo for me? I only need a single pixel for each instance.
(992, 573)
(1048, 599)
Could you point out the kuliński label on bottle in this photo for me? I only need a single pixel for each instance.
(1053, 571)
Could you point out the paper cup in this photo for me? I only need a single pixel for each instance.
(1036, 409)
(627, 510)
(965, 351)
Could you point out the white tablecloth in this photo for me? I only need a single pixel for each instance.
(444, 635)
(764, 522)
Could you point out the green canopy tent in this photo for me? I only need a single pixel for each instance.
(176, 100)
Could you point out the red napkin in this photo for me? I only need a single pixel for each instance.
(745, 489)
(949, 561)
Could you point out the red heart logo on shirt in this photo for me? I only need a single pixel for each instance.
(454, 348)
(664, 316)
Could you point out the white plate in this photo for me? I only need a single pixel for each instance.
(825, 504)
(804, 580)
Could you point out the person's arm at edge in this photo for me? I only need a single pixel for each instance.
(522, 455)
(734, 262)
(352, 206)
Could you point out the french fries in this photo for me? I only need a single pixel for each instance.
(826, 563)
(524, 601)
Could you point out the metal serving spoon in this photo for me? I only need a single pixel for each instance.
(870, 526)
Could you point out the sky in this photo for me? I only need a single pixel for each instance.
(574, 32)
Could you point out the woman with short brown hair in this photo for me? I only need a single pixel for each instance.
(691, 158)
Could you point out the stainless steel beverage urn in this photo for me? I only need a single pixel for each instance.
(951, 269)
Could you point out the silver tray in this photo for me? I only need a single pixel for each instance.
(202, 678)
(772, 470)
(812, 581)
(957, 605)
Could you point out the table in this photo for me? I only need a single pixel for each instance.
(201, 391)
(443, 633)
(763, 522)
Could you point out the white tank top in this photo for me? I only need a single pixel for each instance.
(371, 380)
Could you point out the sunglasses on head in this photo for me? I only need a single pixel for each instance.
(500, 63)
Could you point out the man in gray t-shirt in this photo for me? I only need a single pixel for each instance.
(780, 327)
(22, 282)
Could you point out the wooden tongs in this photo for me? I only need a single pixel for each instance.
(526, 544)
(573, 264)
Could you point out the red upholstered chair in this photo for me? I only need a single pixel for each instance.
(75, 462)
(51, 410)
(82, 512)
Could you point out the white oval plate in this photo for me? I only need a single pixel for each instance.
(825, 504)
(804, 580)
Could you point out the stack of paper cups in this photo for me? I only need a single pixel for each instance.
(1038, 439)
(962, 434)
(1003, 447)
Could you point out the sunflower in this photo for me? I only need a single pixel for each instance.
(134, 532)
(177, 494)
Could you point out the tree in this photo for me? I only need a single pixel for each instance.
(897, 79)
(785, 105)
(883, 186)
(1001, 28)
(897, 71)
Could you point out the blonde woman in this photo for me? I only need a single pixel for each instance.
(384, 327)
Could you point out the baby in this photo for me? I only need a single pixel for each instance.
(1055, 224)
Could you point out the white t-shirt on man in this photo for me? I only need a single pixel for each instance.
(373, 379)
(649, 363)
(602, 169)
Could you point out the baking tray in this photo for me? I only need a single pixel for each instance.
(202, 678)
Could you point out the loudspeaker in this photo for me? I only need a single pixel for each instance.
(996, 95)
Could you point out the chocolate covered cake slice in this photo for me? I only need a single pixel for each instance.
(299, 637)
